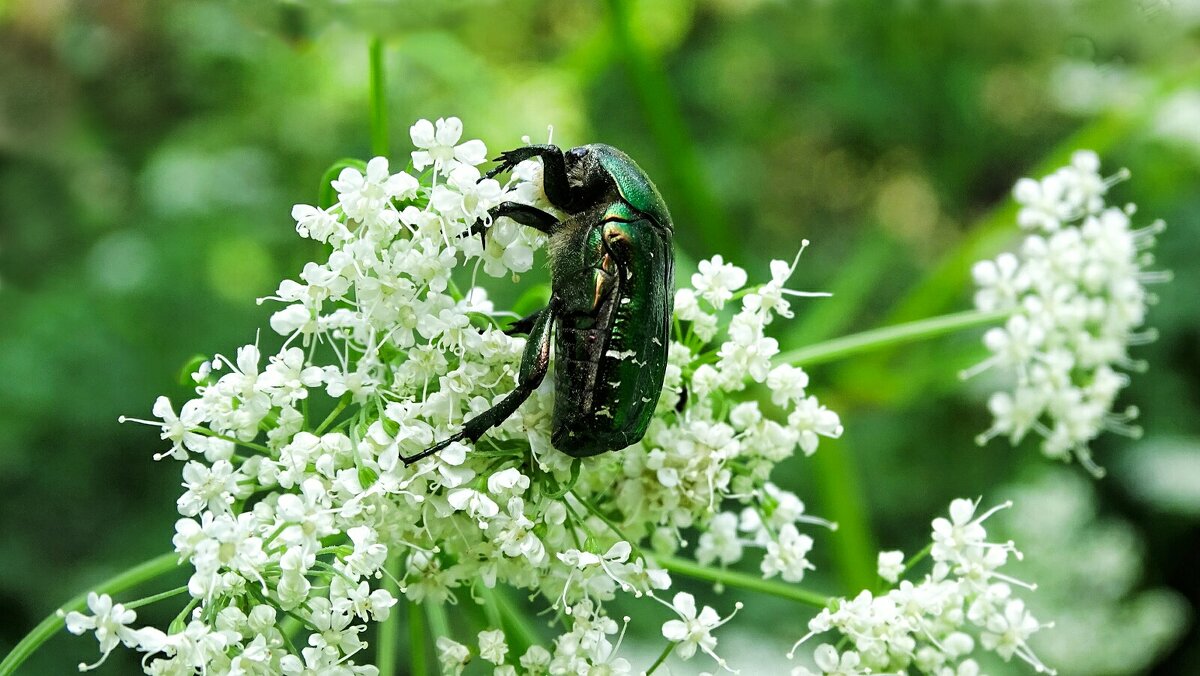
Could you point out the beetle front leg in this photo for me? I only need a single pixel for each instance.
(554, 171)
(522, 213)
(534, 365)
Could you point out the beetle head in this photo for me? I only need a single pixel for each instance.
(587, 174)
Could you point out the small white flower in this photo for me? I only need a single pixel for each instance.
(109, 622)
(452, 655)
(829, 662)
(788, 556)
(439, 145)
(935, 623)
(891, 565)
(1076, 297)
(717, 280)
(720, 541)
(492, 646)
(693, 630)
(363, 197)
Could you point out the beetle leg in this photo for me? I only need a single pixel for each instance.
(534, 365)
(524, 325)
(522, 213)
(554, 170)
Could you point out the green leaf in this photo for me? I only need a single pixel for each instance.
(533, 299)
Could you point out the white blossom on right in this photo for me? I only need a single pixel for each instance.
(1077, 299)
(937, 625)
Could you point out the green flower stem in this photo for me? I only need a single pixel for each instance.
(416, 640)
(742, 581)
(877, 339)
(661, 658)
(143, 572)
(842, 501)
(439, 624)
(379, 118)
(669, 131)
(516, 628)
(238, 442)
(854, 547)
(341, 406)
(918, 557)
(388, 631)
(155, 598)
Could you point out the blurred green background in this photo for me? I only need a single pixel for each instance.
(150, 153)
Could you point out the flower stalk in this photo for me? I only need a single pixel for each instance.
(388, 631)
(888, 336)
(378, 99)
(416, 639)
(662, 658)
(52, 624)
(741, 581)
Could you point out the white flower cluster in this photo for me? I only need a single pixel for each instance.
(1076, 296)
(297, 504)
(937, 624)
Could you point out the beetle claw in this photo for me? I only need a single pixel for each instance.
(477, 228)
(506, 162)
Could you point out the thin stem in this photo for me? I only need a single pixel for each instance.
(341, 406)
(608, 522)
(416, 640)
(223, 437)
(143, 572)
(742, 581)
(388, 631)
(379, 127)
(875, 339)
(851, 288)
(155, 598)
(917, 558)
(661, 658)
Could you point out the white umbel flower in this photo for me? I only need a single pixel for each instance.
(1077, 299)
(296, 500)
(693, 630)
(935, 624)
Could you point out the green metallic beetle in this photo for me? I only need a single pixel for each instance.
(612, 290)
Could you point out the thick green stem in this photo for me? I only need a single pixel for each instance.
(416, 640)
(842, 501)
(876, 339)
(143, 572)
(388, 631)
(439, 624)
(742, 581)
(379, 118)
(661, 658)
(501, 612)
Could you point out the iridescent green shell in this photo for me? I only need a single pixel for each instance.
(635, 186)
